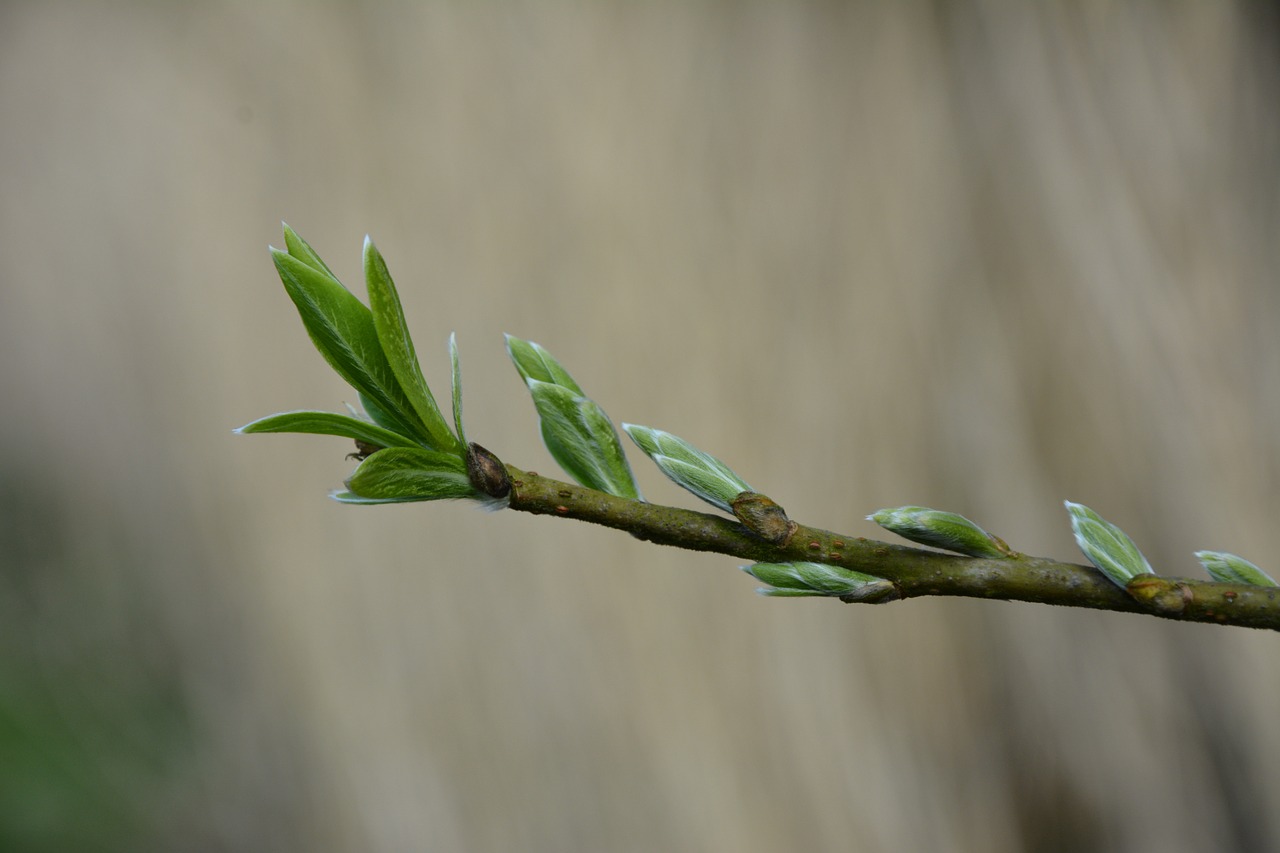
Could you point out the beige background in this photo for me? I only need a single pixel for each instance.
(980, 259)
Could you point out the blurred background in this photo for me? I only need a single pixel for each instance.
(983, 257)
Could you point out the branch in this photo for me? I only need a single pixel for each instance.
(408, 451)
(914, 572)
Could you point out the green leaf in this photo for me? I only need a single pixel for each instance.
(397, 346)
(534, 362)
(328, 423)
(377, 414)
(301, 250)
(1107, 546)
(456, 385)
(347, 497)
(582, 440)
(1229, 568)
(939, 529)
(342, 329)
(689, 467)
(403, 474)
(806, 578)
(576, 431)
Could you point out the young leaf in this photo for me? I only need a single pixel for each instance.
(689, 467)
(349, 497)
(397, 346)
(328, 423)
(576, 431)
(1229, 568)
(403, 474)
(1107, 546)
(377, 414)
(534, 362)
(805, 578)
(582, 440)
(342, 329)
(302, 250)
(456, 385)
(939, 529)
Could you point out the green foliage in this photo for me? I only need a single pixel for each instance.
(576, 431)
(689, 467)
(397, 346)
(804, 578)
(1229, 568)
(400, 474)
(534, 362)
(412, 453)
(456, 385)
(1107, 546)
(328, 423)
(342, 329)
(409, 451)
(939, 529)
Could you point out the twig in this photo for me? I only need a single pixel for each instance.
(914, 572)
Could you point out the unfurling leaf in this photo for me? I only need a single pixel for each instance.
(301, 249)
(689, 467)
(378, 415)
(397, 346)
(1107, 546)
(576, 431)
(1229, 568)
(818, 579)
(398, 474)
(534, 362)
(342, 329)
(456, 385)
(939, 529)
(328, 423)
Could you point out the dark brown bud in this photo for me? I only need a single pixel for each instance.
(877, 592)
(763, 517)
(486, 472)
(363, 450)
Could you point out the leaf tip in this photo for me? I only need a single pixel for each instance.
(1230, 568)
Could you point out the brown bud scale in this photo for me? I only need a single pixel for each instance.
(486, 472)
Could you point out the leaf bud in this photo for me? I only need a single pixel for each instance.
(941, 530)
(759, 514)
(486, 472)
(1107, 546)
(806, 578)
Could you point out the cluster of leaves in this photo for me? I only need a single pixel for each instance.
(410, 452)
